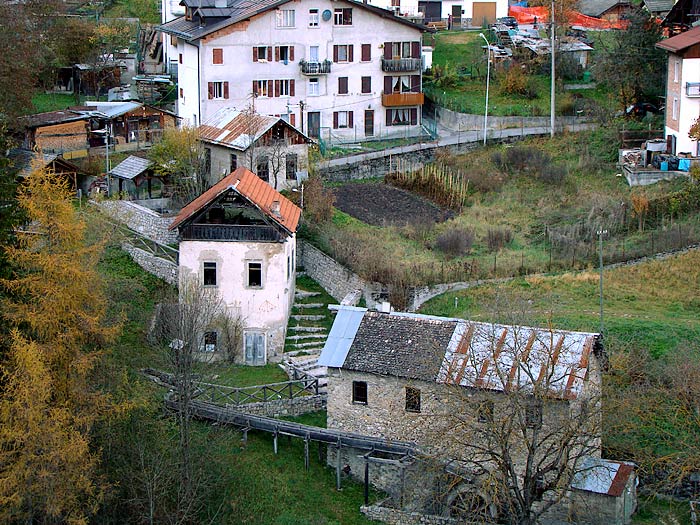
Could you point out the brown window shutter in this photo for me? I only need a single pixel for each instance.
(335, 53)
(335, 120)
(217, 55)
(366, 52)
(415, 49)
(415, 83)
(351, 48)
(388, 117)
(366, 84)
(350, 124)
(291, 88)
(180, 58)
(225, 89)
(277, 88)
(414, 116)
(388, 81)
(291, 53)
(269, 88)
(269, 53)
(255, 54)
(255, 87)
(293, 119)
(277, 53)
(342, 85)
(388, 50)
(210, 89)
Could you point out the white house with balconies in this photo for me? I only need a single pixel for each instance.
(340, 70)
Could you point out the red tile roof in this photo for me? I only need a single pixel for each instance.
(680, 42)
(252, 188)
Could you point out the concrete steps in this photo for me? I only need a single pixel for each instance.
(310, 305)
(307, 337)
(300, 317)
(307, 329)
(303, 294)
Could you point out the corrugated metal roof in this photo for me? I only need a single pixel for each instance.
(235, 129)
(602, 476)
(341, 336)
(130, 168)
(112, 109)
(680, 42)
(466, 353)
(252, 188)
(50, 118)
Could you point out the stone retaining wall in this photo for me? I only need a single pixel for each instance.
(162, 268)
(399, 517)
(140, 219)
(464, 121)
(286, 407)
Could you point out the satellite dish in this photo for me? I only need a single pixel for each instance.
(326, 15)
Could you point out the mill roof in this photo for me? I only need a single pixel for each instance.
(253, 189)
(602, 476)
(460, 352)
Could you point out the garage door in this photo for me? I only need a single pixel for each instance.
(484, 13)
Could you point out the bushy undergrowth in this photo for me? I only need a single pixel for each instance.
(455, 242)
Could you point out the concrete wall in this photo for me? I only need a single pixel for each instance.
(399, 517)
(161, 268)
(465, 122)
(261, 309)
(140, 219)
(286, 407)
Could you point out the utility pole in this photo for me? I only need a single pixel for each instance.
(551, 96)
(600, 258)
(301, 109)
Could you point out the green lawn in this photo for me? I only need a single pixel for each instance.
(44, 102)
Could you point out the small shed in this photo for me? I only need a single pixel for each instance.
(133, 178)
(604, 491)
(26, 161)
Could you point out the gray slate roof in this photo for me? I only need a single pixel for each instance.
(130, 168)
(658, 6)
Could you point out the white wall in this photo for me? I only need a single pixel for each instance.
(264, 309)
(689, 108)
(187, 74)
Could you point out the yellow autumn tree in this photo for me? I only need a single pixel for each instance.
(48, 406)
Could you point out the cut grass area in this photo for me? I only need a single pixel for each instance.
(240, 375)
(653, 304)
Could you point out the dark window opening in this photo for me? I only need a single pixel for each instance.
(291, 166)
(342, 85)
(485, 412)
(263, 169)
(209, 274)
(359, 392)
(255, 274)
(366, 84)
(234, 163)
(533, 415)
(412, 399)
(210, 340)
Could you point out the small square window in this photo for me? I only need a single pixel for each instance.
(533, 415)
(210, 340)
(209, 274)
(412, 399)
(359, 392)
(254, 275)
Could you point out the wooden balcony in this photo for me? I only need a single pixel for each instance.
(393, 100)
(400, 65)
(315, 68)
(230, 232)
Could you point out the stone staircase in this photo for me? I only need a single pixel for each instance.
(306, 335)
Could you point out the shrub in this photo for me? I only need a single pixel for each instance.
(497, 238)
(318, 201)
(455, 242)
(516, 82)
(521, 159)
(553, 174)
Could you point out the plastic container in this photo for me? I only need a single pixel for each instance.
(664, 165)
(586, 76)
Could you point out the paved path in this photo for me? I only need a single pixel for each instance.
(449, 138)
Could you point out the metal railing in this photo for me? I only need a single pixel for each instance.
(395, 65)
(230, 232)
(315, 68)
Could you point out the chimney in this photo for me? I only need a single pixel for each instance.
(275, 209)
(384, 307)
(220, 3)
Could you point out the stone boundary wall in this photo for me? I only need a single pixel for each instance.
(161, 268)
(335, 278)
(468, 122)
(285, 407)
(399, 517)
(140, 219)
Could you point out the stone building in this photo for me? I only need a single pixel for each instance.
(462, 390)
(238, 239)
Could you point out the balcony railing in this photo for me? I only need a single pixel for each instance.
(399, 65)
(393, 100)
(229, 232)
(692, 89)
(315, 68)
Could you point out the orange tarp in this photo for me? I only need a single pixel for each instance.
(527, 15)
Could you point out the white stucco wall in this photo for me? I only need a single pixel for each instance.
(239, 69)
(187, 78)
(265, 309)
(169, 10)
(689, 107)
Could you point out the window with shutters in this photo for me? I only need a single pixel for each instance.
(313, 18)
(285, 18)
(366, 85)
(218, 90)
(342, 53)
(395, 3)
(291, 165)
(342, 16)
(217, 55)
(403, 50)
(285, 88)
(342, 85)
(284, 54)
(342, 119)
(261, 88)
(262, 53)
(254, 274)
(313, 90)
(400, 117)
(533, 414)
(366, 52)
(401, 84)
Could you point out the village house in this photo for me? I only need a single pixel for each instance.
(682, 90)
(449, 385)
(270, 147)
(238, 239)
(339, 70)
(610, 10)
(459, 12)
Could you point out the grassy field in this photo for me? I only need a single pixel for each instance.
(51, 102)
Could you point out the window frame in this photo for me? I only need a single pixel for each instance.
(206, 345)
(484, 411)
(366, 83)
(343, 121)
(291, 160)
(314, 17)
(533, 414)
(250, 271)
(262, 164)
(346, 48)
(342, 16)
(413, 400)
(314, 82)
(207, 268)
(360, 393)
(286, 19)
(233, 162)
(343, 86)
(218, 91)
